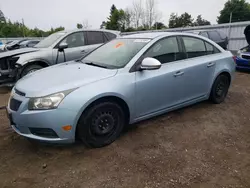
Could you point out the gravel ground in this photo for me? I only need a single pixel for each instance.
(204, 145)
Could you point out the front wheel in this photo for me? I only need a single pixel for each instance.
(220, 89)
(29, 69)
(101, 124)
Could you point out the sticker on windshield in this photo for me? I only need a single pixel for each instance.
(119, 44)
(142, 40)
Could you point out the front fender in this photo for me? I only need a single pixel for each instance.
(34, 60)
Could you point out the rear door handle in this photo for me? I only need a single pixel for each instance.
(210, 64)
(178, 73)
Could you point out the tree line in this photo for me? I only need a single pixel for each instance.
(144, 15)
(141, 15)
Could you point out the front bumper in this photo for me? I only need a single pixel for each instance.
(9, 71)
(24, 122)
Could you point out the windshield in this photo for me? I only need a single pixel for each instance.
(117, 53)
(48, 41)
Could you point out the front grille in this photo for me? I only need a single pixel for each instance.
(4, 64)
(44, 132)
(245, 56)
(19, 93)
(8, 63)
(14, 104)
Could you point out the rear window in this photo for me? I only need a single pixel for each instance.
(223, 35)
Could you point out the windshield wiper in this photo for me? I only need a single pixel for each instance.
(97, 65)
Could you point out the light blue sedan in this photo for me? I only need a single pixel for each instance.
(126, 80)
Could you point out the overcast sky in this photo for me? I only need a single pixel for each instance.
(45, 14)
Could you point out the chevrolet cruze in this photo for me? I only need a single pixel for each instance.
(124, 81)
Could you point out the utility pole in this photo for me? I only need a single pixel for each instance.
(229, 28)
(23, 27)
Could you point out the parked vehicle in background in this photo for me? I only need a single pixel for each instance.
(29, 43)
(9, 41)
(243, 58)
(56, 48)
(126, 80)
(2, 47)
(217, 36)
(15, 44)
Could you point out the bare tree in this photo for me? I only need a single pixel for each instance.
(137, 12)
(152, 14)
(128, 17)
(85, 24)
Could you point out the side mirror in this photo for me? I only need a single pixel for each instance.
(62, 46)
(150, 64)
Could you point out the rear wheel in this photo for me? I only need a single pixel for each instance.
(101, 124)
(220, 89)
(30, 68)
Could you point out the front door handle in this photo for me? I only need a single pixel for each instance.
(178, 73)
(210, 64)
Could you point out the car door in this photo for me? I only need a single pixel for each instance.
(159, 89)
(76, 48)
(197, 69)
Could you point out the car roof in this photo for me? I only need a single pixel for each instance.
(103, 30)
(152, 35)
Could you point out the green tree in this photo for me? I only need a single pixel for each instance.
(183, 20)
(103, 25)
(113, 19)
(240, 10)
(2, 17)
(79, 26)
(200, 21)
(159, 25)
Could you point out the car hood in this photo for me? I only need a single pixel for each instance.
(61, 77)
(17, 52)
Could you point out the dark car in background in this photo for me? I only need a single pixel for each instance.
(15, 44)
(29, 43)
(217, 36)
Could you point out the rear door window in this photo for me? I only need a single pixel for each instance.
(211, 49)
(95, 37)
(194, 47)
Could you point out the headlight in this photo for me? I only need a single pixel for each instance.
(239, 53)
(48, 102)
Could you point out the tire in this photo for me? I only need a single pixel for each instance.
(220, 89)
(101, 124)
(30, 69)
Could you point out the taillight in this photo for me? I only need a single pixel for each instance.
(234, 58)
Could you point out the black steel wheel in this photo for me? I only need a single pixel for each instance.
(220, 89)
(101, 124)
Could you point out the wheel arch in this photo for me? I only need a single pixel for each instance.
(224, 72)
(108, 97)
(40, 62)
